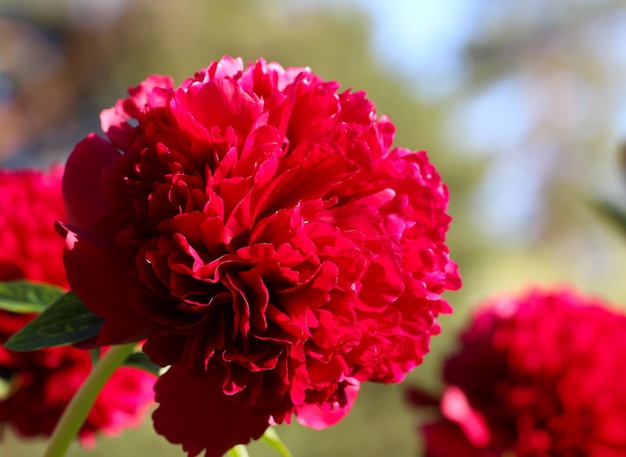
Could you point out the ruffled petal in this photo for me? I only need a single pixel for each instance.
(194, 411)
(220, 103)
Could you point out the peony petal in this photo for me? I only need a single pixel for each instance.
(194, 411)
(93, 273)
(220, 103)
(455, 407)
(82, 182)
(446, 439)
(118, 130)
(320, 416)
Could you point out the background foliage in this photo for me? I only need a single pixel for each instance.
(524, 117)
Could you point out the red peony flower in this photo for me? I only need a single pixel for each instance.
(30, 203)
(536, 376)
(256, 227)
(41, 383)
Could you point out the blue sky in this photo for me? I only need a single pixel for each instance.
(423, 39)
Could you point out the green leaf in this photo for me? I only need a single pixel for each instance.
(27, 297)
(271, 437)
(143, 362)
(66, 321)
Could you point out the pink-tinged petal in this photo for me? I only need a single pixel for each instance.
(220, 103)
(227, 67)
(83, 191)
(117, 129)
(194, 411)
(93, 273)
(143, 96)
(455, 407)
(321, 416)
(151, 93)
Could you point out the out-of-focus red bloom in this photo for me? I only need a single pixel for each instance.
(256, 227)
(41, 383)
(30, 203)
(539, 375)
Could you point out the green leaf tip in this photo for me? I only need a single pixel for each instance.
(142, 361)
(66, 321)
(28, 297)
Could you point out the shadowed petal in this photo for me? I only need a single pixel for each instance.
(82, 182)
(94, 275)
(194, 411)
(446, 439)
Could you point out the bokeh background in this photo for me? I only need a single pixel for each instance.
(521, 106)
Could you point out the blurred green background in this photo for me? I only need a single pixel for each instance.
(520, 105)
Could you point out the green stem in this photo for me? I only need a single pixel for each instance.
(76, 412)
(238, 451)
(271, 437)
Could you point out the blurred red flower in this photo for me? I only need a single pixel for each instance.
(538, 375)
(41, 383)
(256, 227)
